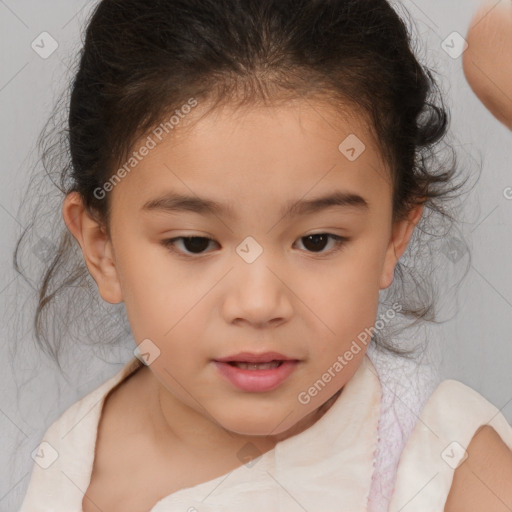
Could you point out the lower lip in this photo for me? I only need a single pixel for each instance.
(256, 380)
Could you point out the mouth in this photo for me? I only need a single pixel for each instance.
(252, 357)
(256, 372)
(255, 366)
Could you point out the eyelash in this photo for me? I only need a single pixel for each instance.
(340, 241)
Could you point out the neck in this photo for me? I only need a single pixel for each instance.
(174, 423)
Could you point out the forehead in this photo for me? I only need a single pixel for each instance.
(266, 155)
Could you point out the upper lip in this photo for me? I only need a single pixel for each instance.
(251, 357)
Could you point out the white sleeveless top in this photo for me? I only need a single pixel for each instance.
(328, 467)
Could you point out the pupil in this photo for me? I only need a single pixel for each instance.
(195, 243)
(316, 237)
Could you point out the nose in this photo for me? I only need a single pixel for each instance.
(257, 294)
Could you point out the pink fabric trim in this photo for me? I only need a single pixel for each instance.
(406, 386)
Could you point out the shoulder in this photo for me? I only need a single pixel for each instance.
(459, 436)
(484, 480)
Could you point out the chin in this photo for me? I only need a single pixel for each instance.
(256, 424)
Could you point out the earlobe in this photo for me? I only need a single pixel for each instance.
(96, 247)
(401, 235)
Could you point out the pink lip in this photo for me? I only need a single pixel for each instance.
(251, 357)
(257, 380)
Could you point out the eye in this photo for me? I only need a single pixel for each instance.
(194, 244)
(317, 241)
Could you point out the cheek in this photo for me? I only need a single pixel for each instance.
(345, 297)
(159, 297)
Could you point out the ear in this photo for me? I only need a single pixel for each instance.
(401, 234)
(96, 247)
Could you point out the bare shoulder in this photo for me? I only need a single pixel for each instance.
(484, 480)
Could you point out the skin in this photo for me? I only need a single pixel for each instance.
(487, 62)
(307, 305)
(482, 481)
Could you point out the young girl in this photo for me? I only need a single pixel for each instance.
(245, 177)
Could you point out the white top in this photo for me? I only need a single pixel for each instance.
(327, 467)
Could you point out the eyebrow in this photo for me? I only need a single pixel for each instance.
(173, 202)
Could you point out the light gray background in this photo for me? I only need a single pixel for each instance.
(475, 347)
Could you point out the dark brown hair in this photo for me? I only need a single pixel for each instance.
(143, 60)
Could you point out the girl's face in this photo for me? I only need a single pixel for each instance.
(252, 281)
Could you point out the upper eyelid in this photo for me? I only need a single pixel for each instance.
(328, 233)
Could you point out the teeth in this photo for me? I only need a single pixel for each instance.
(256, 366)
